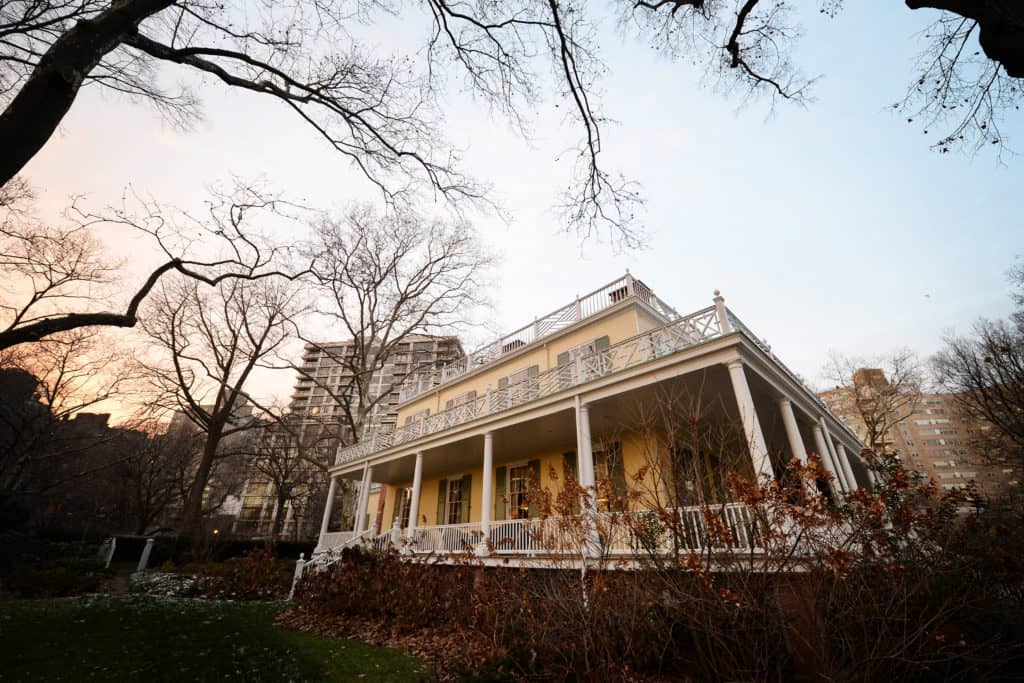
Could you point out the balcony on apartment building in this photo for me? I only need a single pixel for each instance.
(608, 353)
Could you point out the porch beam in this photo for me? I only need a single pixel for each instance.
(748, 417)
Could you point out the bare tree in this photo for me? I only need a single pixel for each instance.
(383, 112)
(875, 394)
(211, 341)
(968, 77)
(150, 468)
(292, 454)
(55, 277)
(61, 378)
(985, 373)
(381, 278)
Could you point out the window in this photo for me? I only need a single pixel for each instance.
(585, 358)
(519, 387)
(453, 511)
(461, 399)
(404, 504)
(518, 492)
(608, 468)
(511, 345)
(418, 416)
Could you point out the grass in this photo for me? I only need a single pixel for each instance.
(129, 638)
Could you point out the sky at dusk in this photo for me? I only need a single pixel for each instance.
(827, 227)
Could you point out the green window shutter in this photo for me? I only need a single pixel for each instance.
(563, 358)
(503, 383)
(471, 396)
(408, 419)
(601, 343)
(571, 475)
(499, 493)
(466, 487)
(534, 509)
(449, 404)
(533, 371)
(617, 470)
(442, 495)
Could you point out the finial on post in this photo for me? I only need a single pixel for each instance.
(723, 316)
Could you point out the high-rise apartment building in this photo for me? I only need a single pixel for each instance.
(931, 434)
(321, 377)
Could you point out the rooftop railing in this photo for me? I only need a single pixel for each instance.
(583, 307)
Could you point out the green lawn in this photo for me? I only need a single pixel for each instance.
(135, 638)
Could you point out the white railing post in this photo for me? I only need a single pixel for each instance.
(300, 565)
(748, 417)
(630, 288)
(396, 534)
(723, 314)
(144, 559)
(579, 309)
(414, 503)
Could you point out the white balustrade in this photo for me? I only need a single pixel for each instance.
(684, 333)
(734, 528)
(334, 539)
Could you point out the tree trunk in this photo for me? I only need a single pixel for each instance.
(193, 513)
(279, 513)
(45, 98)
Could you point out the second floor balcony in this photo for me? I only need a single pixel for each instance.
(683, 333)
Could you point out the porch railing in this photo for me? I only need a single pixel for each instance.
(686, 332)
(726, 528)
(447, 538)
(334, 539)
(583, 307)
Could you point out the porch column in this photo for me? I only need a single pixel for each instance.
(847, 484)
(585, 475)
(796, 444)
(414, 503)
(751, 425)
(826, 455)
(488, 499)
(364, 499)
(584, 447)
(329, 508)
(844, 462)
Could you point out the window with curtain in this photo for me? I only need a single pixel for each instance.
(454, 501)
(518, 492)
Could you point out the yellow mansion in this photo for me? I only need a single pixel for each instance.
(569, 397)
